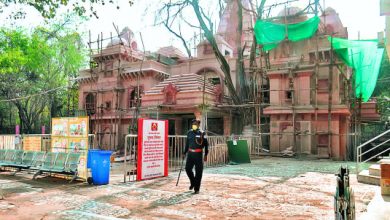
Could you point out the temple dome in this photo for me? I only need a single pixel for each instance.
(117, 41)
(289, 11)
(126, 37)
(292, 14)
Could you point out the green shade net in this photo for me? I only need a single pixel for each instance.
(365, 58)
(271, 34)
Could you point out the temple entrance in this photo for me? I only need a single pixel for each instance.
(215, 126)
(171, 127)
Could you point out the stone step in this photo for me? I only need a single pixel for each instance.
(374, 170)
(365, 177)
(385, 160)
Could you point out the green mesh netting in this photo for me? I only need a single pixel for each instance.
(365, 58)
(271, 34)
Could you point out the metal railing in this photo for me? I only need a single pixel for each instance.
(9, 141)
(92, 142)
(176, 145)
(360, 152)
(130, 158)
(218, 154)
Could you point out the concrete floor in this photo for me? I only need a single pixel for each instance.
(378, 208)
(269, 188)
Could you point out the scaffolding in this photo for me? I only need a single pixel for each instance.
(293, 91)
(106, 55)
(323, 58)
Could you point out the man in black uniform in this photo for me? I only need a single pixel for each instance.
(196, 141)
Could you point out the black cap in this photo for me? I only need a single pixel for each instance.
(194, 121)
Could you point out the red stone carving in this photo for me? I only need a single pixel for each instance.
(170, 92)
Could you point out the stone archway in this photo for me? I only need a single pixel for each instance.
(90, 103)
(211, 73)
(216, 78)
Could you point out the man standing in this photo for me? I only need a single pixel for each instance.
(196, 141)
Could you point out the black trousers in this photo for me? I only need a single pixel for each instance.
(195, 159)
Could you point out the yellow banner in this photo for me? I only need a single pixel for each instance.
(78, 127)
(59, 127)
(59, 144)
(82, 168)
(71, 135)
(80, 145)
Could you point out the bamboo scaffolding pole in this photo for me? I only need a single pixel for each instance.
(260, 102)
(330, 80)
(316, 72)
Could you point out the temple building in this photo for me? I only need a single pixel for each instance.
(298, 110)
(295, 87)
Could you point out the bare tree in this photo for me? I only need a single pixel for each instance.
(245, 90)
(207, 29)
(174, 11)
(169, 19)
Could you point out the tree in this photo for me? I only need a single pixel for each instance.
(382, 89)
(35, 69)
(177, 11)
(48, 8)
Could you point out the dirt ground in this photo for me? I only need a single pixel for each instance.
(268, 188)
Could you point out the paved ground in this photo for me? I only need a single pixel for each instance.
(378, 208)
(269, 188)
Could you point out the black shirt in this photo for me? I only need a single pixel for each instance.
(196, 140)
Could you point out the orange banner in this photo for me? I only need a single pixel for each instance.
(32, 143)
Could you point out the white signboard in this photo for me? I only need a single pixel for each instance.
(152, 149)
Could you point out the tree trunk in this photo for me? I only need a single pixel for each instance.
(240, 61)
(221, 59)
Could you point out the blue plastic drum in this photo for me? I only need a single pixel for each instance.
(89, 158)
(99, 162)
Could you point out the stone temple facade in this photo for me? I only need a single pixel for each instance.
(171, 85)
(295, 103)
(177, 88)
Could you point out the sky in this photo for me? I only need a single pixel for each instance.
(357, 15)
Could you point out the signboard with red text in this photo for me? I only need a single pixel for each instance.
(152, 148)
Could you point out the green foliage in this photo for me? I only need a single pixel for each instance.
(35, 69)
(382, 89)
(48, 8)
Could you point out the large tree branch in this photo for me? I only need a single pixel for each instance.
(189, 24)
(168, 22)
(240, 58)
(221, 8)
(221, 59)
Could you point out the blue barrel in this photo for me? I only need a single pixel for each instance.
(100, 166)
(89, 158)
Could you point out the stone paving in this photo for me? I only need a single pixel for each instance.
(269, 188)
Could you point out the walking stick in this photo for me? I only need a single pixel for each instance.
(181, 168)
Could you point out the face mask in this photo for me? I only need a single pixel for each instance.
(194, 127)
